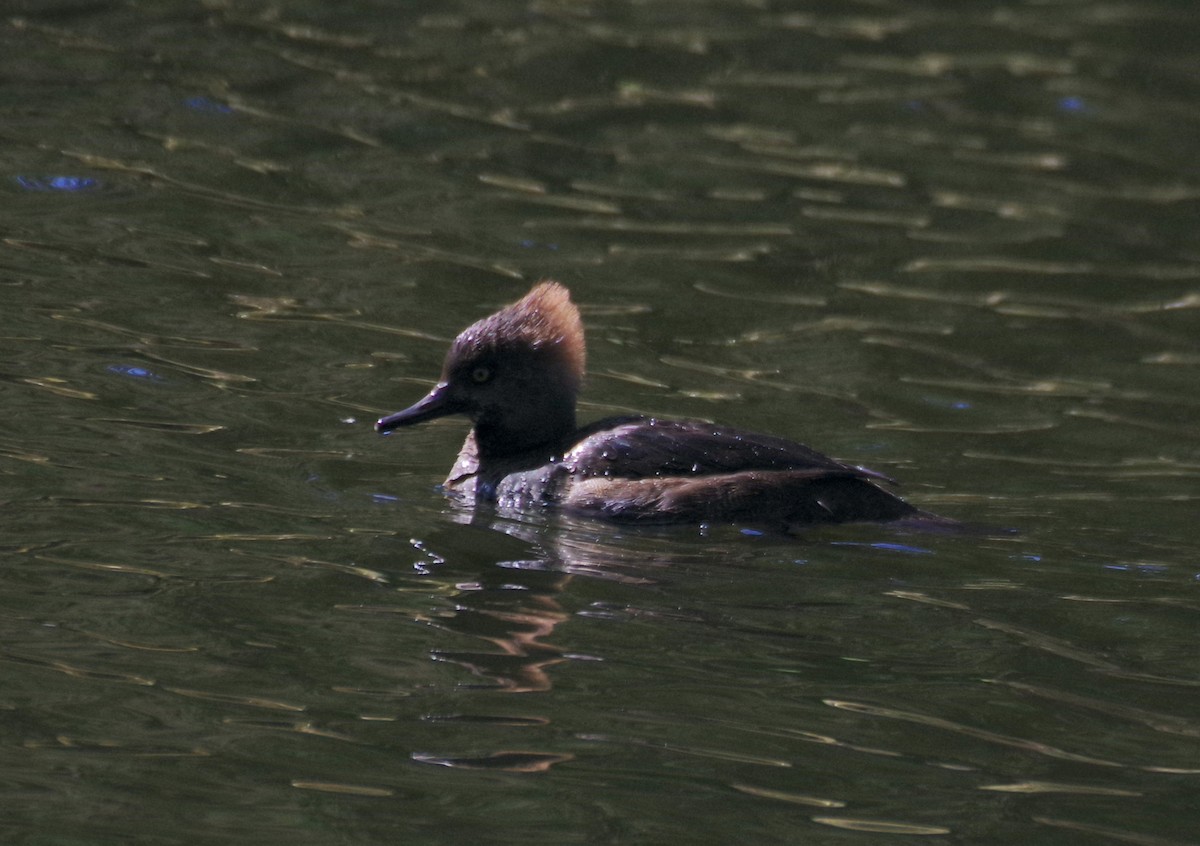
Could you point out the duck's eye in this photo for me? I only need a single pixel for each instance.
(482, 373)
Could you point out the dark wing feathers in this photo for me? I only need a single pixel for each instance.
(641, 447)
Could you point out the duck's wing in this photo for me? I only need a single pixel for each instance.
(784, 498)
(644, 447)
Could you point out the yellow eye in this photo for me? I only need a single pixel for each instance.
(481, 374)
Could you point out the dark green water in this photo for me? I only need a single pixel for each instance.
(953, 241)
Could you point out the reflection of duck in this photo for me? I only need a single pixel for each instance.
(516, 373)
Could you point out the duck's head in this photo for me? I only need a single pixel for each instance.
(515, 374)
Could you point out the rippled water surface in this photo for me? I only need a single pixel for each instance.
(953, 241)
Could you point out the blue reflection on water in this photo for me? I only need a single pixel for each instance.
(1143, 569)
(204, 104)
(66, 184)
(133, 371)
(888, 547)
(943, 402)
(1072, 104)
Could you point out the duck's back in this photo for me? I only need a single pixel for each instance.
(658, 471)
(641, 447)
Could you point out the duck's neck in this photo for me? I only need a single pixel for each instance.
(548, 430)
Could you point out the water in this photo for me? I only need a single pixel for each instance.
(952, 242)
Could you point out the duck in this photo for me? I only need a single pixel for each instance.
(516, 375)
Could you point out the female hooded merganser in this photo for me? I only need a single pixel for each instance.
(515, 374)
